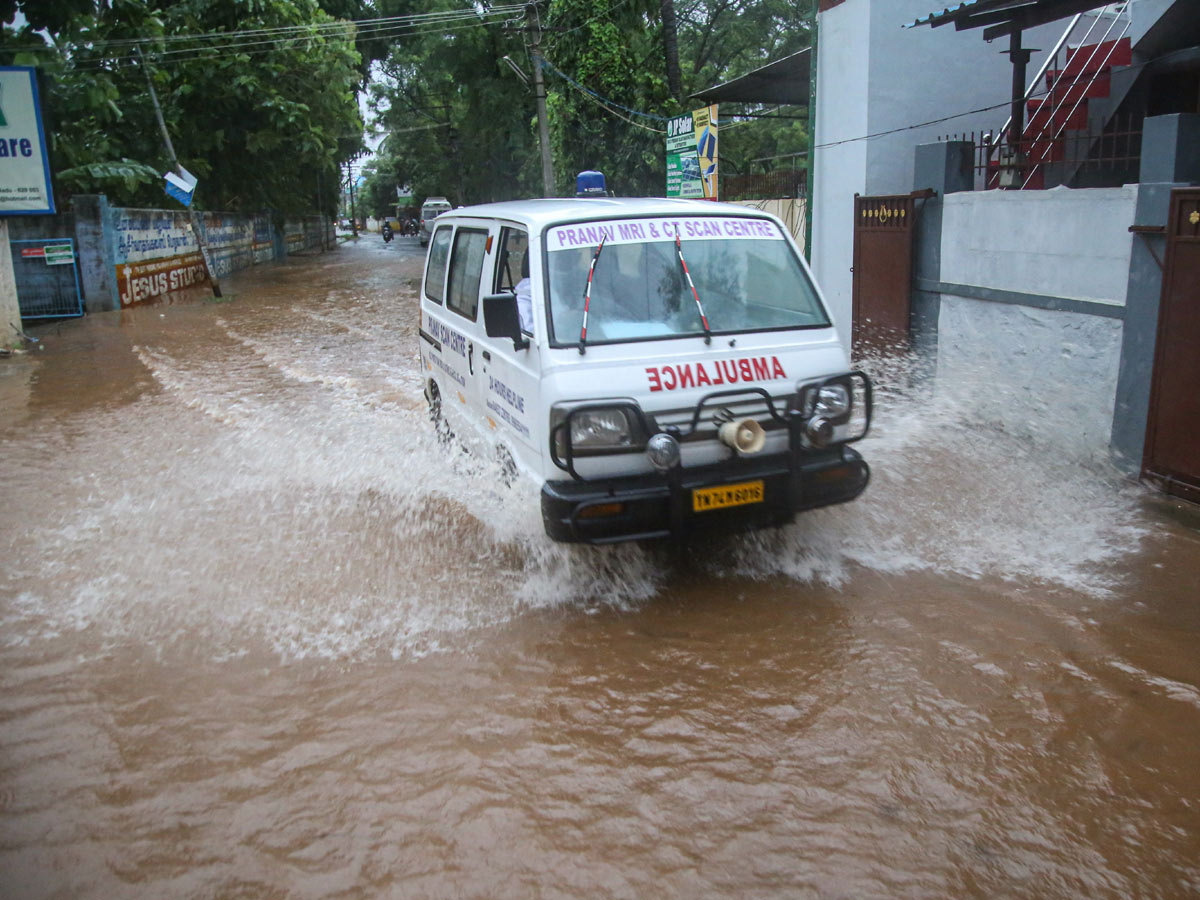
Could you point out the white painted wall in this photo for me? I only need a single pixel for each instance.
(1043, 375)
(1061, 243)
(875, 81)
(951, 79)
(839, 169)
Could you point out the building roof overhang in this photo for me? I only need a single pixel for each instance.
(784, 81)
(1001, 17)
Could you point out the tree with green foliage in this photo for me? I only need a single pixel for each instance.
(615, 49)
(259, 97)
(458, 120)
(722, 39)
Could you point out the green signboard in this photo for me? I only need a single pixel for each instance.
(692, 155)
(59, 254)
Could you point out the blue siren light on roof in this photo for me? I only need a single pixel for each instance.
(590, 184)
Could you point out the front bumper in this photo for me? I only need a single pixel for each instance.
(657, 506)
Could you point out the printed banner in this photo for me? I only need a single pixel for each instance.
(692, 155)
(640, 231)
(144, 281)
(24, 166)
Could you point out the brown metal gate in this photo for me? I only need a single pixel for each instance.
(1172, 457)
(883, 259)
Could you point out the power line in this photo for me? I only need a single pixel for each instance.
(194, 53)
(359, 24)
(546, 64)
(341, 30)
(970, 112)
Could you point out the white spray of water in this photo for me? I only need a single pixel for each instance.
(292, 490)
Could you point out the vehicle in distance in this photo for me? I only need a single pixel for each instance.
(430, 210)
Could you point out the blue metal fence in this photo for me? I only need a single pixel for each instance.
(47, 276)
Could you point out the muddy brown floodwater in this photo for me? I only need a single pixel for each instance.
(260, 636)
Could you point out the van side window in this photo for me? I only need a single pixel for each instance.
(435, 271)
(466, 267)
(514, 244)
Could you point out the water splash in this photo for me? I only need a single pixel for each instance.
(285, 487)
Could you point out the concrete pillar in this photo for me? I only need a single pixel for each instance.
(946, 167)
(1139, 334)
(10, 309)
(97, 259)
(1171, 149)
(1170, 159)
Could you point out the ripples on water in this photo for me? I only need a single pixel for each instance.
(225, 591)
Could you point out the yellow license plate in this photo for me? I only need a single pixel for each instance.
(742, 494)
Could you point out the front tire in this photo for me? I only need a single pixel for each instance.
(434, 397)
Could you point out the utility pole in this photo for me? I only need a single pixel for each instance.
(539, 92)
(197, 225)
(353, 214)
(321, 216)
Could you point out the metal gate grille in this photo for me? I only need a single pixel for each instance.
(47, 278)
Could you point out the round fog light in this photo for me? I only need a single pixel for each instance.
(663, 451)
(819, 431)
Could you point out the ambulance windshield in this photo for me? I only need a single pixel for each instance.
(744, 272)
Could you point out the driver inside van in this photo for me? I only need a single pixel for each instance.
(525, 297)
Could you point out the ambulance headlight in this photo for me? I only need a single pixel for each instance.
(836, 410)
(596, 430)
(593, 429)
(833, 401)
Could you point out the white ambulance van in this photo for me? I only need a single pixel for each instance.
(659, 367)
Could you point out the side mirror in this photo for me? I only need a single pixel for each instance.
(500, 318)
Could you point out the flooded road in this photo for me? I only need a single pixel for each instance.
(261, 636)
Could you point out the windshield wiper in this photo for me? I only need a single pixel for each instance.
(688, 275)
(587, 295)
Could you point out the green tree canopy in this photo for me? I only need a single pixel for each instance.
(458, 120)
(262, 117)
(615, 49)
(463, 124)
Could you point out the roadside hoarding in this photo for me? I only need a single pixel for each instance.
(24, 165)
(692, 155)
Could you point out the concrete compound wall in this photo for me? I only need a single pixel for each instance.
(1042, 303)
(1061, 243)
(881, 91)
(1032, 296)
(134, 256)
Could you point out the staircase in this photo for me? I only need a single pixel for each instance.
(1058, 99)
(1086, 76)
